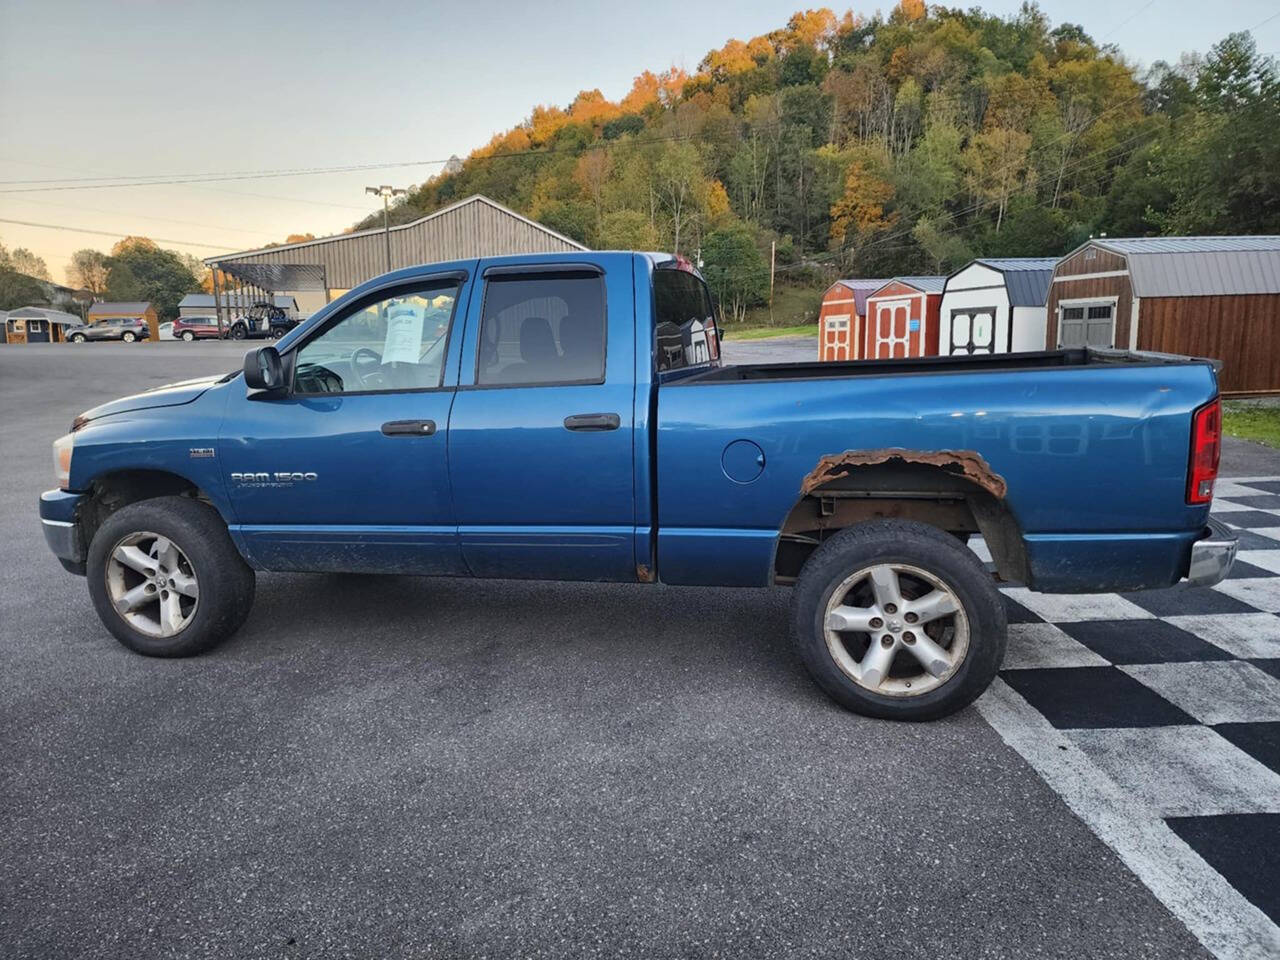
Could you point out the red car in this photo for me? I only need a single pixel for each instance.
(196, 328)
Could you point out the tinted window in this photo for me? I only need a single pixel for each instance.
(548, 328)
(392, 342)
(686, 325)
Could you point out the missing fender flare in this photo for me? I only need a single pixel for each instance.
(968, 464)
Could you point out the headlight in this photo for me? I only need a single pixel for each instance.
(62, 460)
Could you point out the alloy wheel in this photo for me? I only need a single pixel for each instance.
(896, 630)
(152, 584)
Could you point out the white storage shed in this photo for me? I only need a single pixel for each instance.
(996, 306)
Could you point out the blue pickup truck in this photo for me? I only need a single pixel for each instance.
(567, 417)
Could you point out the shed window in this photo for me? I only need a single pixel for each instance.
(33, 326)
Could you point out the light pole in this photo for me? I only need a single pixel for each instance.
(386, 192)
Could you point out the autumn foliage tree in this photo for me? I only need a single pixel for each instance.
(903, 143)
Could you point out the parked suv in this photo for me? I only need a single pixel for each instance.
(196, 328)
(128, 329)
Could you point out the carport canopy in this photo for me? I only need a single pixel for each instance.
(269, 278)
(276, 277)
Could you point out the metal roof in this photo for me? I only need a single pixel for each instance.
(122, 307)
(44, 313)
(204, 301)
(1198, 266)
(221, 261)
(1026, 279)
(924, 284)
(862, 288)
(1186, 244)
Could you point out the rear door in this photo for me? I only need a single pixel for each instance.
(540, 435)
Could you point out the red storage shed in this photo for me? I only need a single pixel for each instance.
(902, 318)
(842, 318)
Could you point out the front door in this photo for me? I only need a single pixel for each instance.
(893, 328)
(973, 331)
(540, 439)
(836, 345)
(349, 471)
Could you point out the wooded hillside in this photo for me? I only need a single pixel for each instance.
(894, 146)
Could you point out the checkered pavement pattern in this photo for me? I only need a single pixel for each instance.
(1175, 694)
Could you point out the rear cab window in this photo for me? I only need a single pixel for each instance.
(684, 320)
(541, 329)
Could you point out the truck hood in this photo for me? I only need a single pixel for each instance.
(167, 395)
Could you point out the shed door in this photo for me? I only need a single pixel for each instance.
(893, 328)
(973, 330)
(835, 344)
(1087, 325)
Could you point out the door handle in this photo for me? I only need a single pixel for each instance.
(409, 428)
(593, 421)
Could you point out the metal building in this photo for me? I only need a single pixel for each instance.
(316, 271)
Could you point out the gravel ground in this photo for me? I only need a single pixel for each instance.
(389, 766)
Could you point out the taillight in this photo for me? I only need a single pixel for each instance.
(1206, 448)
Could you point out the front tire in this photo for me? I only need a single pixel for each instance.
(77, 338)
(237, 332)
(896, 619)
(166, 579)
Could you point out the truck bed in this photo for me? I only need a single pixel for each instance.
(978, 363)
(1090, 447)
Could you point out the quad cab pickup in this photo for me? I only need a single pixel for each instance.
(567, 417)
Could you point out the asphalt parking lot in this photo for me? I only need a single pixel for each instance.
(392, 766)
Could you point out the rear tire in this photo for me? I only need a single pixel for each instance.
(206, 562)
(188, 336)
(129, 336)
(909, 661)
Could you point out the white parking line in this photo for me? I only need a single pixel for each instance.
(1229, 926)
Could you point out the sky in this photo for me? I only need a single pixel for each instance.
(160, 87)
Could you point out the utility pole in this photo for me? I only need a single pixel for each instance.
(386, 192)
(773, 255)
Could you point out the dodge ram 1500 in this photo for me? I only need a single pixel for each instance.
(567, 417)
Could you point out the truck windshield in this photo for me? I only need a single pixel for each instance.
(685, 321)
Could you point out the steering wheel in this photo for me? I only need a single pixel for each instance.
(374, 378)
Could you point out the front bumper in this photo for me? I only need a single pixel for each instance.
(61, 529)
(1212, 555)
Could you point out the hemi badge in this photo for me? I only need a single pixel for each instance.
(200, 453)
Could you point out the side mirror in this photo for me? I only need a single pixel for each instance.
(264, 370)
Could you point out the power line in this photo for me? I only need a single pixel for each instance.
(1262, 23)
(224, 190)
(1127, 19)
(109, 233)
(144, 216)
(102, 183)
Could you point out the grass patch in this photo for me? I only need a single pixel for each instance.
(1257, 421)
(794, 313)
(744, 332)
